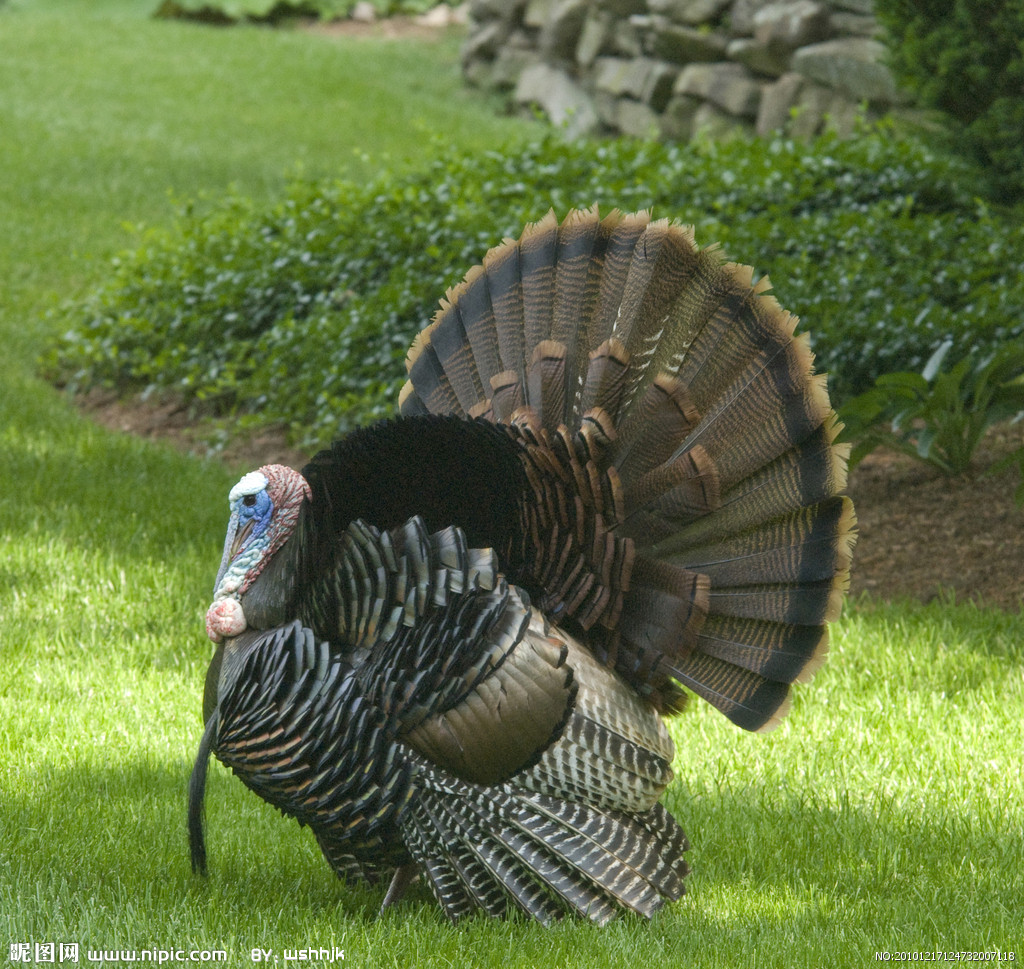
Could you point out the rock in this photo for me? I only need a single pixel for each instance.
(689, 11)
(730, 87)
(595, 37)
(621, 8)
(607, 109)
(508, 66)
(741, 16)
(820, 108)
(865, 7)
(561, 33)
(677, 118)
(486, 41)
(777, 103)
(636, 119)
(559, 96)
(485, 10)
(682, 45)
(852, 65)
(787, 26)
(363, 12)
(610, 75)
(477, 72)
(626, 39)
(657, 89)
(810, 109)
(842, 116)
(641, 79)
(853, 24)
(760, 58)
(538, 12)
(710, 122)
(680, 66)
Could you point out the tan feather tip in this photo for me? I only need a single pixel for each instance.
(404, 393)
(614, 349)
(741, 274)
(777, 717)
(685, 233)
(846, 539)
(419, 344)
(597, 423)
(840, 465)
(818, 405)
(817, 660)
(497, 254)
(541, 226)
(548, 350)
(575, 217)
(454, 293)
(642, 217)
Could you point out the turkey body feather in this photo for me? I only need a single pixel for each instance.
(448, 644)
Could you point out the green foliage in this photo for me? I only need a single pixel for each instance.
(941, 415)
(302, 312)
(966, 58)
(231, 11)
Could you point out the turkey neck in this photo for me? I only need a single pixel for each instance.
(446, 470)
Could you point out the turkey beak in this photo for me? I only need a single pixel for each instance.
(241, 537)
(232, 543)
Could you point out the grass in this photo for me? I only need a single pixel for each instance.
(886, 814)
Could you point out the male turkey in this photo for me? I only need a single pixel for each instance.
(447, 645)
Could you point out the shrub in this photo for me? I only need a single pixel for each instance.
(966, 59)
(302, 312)
(941, 415)
(230, 11)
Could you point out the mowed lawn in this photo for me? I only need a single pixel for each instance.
(885, 816)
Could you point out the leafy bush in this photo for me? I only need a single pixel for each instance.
(303, 312)
(230, 11)
(966, 59)
(941, 415)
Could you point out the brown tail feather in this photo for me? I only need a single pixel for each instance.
(707, 542)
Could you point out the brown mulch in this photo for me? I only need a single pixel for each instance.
(922, 535)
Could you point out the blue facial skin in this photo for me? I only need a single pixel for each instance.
(257, 510)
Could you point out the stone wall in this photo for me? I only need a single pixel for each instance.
(673, 67)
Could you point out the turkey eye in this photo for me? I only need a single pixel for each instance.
(249, 500)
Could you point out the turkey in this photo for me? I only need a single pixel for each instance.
(448, 646)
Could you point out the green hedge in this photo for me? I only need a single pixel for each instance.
(303, 312)
(232, 11)
(966, 58)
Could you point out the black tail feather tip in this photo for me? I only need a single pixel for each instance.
(196, 793)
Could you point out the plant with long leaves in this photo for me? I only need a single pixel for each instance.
(940, 415)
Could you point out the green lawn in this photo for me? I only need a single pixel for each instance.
(887, 814)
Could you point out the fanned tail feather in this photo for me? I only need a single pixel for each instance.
(720, 465)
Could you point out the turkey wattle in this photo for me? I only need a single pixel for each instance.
(448, 644)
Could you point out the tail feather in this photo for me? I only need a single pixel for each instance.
(785, 653)
(581, 246)
(605, 381)
(804, 475)
(625, 232)
(538, 248)
(747, 699)
(714, 490)
(803, 546)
